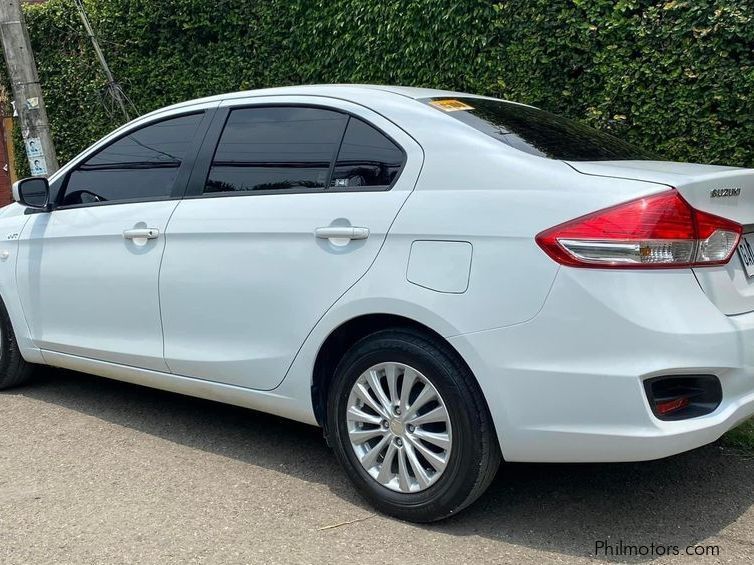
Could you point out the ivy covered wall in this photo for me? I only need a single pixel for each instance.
(674, 76)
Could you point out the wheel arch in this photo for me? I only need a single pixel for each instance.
(11, 302)
(345, 336)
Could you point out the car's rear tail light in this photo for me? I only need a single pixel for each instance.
(658, 231)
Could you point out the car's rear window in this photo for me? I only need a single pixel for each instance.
(536, 131)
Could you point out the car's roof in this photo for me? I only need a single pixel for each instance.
(407, 91)
(359, 93)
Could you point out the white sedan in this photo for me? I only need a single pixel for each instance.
(439, 280)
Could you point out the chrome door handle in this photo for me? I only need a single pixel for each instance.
(141, 233)
(342, 232)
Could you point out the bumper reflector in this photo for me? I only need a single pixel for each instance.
(669, 406)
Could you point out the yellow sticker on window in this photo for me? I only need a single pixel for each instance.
(450, 105)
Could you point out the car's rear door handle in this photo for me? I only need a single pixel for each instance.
(341, 232)
(141, 233)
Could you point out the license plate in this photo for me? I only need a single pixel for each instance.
(746, 252)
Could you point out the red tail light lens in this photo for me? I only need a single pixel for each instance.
(658, 231)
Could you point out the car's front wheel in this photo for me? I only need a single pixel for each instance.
(14, 370)
(410, 426)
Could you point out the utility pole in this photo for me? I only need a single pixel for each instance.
(27, 92)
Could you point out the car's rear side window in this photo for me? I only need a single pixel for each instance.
(301, 149)
(276, 148)
(537, 132)
(367, 157)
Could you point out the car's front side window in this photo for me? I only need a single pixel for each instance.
(142, 165)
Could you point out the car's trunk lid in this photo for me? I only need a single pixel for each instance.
(724, 191)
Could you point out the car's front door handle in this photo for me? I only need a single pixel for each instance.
(342, 232)
(141, 233)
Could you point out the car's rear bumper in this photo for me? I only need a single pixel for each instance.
(567, 386)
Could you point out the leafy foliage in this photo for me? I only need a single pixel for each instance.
(741, 438)
(674, 76)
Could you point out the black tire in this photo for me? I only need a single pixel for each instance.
(14, 370)
(475, 454)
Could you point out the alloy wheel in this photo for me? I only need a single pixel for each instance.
(399, 427)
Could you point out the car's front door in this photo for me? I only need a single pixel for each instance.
(88, 271)
(290, 210)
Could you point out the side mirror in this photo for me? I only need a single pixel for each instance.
(33, 192)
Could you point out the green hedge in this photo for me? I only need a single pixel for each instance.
(673, 76)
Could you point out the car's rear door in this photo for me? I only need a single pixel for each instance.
(288, 207)
(87, 272)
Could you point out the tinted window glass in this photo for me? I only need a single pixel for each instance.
(366, 158)
(275, 148)
(538, 132)
(141, 165)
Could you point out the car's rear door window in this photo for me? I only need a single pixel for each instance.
(276, 148)
(537, 132)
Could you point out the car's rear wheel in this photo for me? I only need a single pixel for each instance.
(14, 370)
(410, 426)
